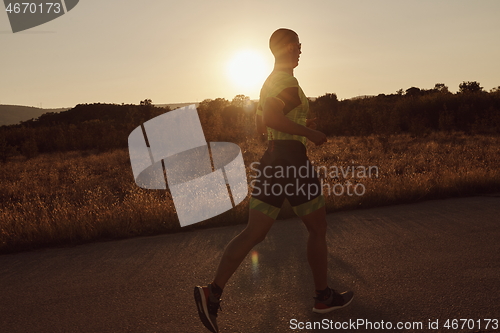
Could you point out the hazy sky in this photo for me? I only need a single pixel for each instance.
(117, 51)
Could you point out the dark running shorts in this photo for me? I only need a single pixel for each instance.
(285, 172)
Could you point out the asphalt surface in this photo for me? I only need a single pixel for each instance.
(435, 260)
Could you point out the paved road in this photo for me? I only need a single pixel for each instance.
(434, 260)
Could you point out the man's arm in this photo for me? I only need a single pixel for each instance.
(259, 124)
(273, 117)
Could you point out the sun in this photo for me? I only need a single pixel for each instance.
(247, 70)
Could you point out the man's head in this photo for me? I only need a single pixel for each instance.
(285, 46)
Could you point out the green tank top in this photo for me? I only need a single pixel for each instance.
(285, 87)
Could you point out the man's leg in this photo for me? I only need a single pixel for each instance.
(255, 232)
(208, 298)
(317, 250)
(326, 299)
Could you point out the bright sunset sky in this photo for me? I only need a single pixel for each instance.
(115, 51)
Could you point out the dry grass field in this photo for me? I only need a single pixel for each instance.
(76, 197)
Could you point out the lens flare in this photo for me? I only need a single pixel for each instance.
(255, 262)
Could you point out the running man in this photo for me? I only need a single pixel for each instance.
(282, 111)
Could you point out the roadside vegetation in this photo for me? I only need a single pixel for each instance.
(66, 178)
(77, 197)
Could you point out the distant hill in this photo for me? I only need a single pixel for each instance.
(14, 114)
(361, 97)
(174, 105)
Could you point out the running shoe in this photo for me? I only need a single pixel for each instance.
(334, 302)
(207, 305)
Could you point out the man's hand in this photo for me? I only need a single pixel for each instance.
(311, 123)
(273, 117)
(317, 137)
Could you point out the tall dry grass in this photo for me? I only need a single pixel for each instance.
(413, 168)
(77, 197)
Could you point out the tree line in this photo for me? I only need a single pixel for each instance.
(417, 111)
